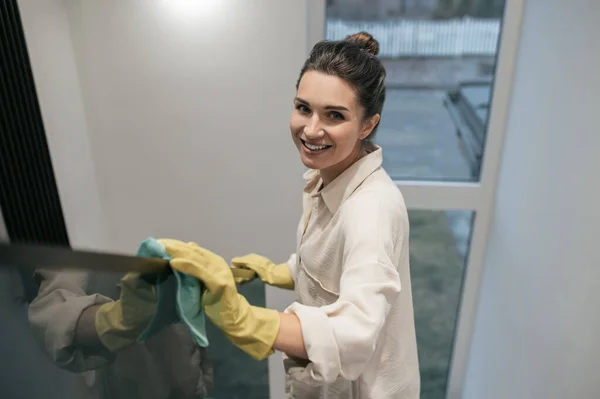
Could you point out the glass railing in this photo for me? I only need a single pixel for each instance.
(40, 358)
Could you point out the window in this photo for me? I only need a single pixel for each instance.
(439, 243)
(440, 58)
(450, 66)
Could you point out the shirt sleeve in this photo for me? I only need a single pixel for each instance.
(341, 338)
(53, 317)
(292, 263)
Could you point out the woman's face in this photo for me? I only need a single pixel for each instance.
(328, 124)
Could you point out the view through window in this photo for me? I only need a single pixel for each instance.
(440, 57)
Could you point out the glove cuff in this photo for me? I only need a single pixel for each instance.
(111, 330)
(280, 276)
(255, 331)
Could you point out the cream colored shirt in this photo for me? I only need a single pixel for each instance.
(353, 292)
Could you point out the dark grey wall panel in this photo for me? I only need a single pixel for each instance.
(28, 193)
(29, 197)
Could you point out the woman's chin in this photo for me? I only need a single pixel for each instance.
(310, 163)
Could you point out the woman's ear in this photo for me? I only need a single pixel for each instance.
(369, 125)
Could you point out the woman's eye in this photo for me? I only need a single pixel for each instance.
(302, 108)
(337, 116)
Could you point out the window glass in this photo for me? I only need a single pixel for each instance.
(440, 57)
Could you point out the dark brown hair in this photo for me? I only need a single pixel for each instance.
(354, 60)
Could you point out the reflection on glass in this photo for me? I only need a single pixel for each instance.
(439, 243)
(440, 57)
(237, 375)
(24, 371)
(46, 356)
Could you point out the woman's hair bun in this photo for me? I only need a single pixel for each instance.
(365, 41)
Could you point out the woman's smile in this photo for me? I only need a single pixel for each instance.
(314, 149)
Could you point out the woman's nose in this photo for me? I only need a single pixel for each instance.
(313, 129)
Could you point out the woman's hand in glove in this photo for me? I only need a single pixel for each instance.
(252, 329)
(270, 273)
(119, 324)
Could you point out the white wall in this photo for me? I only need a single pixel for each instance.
(538, 321)
(170, 119)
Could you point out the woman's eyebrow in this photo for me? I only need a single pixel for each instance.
(332, 107)
(337, 107)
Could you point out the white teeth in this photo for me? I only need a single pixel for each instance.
(314, 147)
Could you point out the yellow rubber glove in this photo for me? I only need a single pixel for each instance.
(243, 275)
(268, 272)
(252, 329)
(120, 323)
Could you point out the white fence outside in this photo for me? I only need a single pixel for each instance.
(405, 38)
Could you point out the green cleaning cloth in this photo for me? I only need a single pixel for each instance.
(178, 297)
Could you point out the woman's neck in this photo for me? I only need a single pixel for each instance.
(331, 173)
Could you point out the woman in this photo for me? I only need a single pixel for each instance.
(350, 333)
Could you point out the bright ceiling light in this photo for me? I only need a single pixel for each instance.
(194, 8)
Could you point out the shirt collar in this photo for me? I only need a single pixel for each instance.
(336, 192)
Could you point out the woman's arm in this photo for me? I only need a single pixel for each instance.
(340, 338)
(62, 320)
(86, 335)
(289, 339)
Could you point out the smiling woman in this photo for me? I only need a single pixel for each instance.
(340, 95)
(350, 333)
